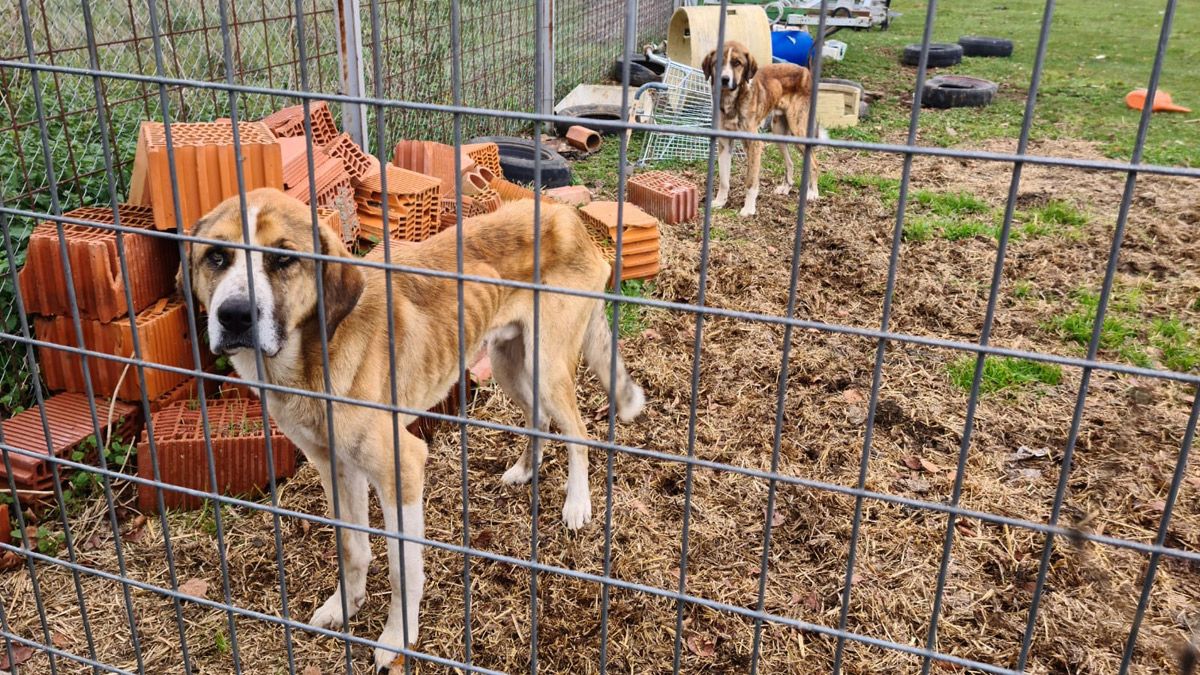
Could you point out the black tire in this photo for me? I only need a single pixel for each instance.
(985, 46)
(864, 109)
(941, 54)
(595, 111)
(641, 71)
(517, 161)
(957, 91)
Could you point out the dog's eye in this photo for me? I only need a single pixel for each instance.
(737, 64)
(217, 257)
(282, 261)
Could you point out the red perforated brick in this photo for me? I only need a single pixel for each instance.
(70, 420)
(666, 196)
(163, 334)
(486, 155)
(575, 195)
(430, 158)
(639, 238)
(289, 122)
(238, 448)
(358, 162)
(95, 266)
(206, 167)
(413, 204)
(5, 525)
(328, 172)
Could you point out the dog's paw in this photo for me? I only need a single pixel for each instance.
(747, 210)
(813, 195)
(783, 188)
(386, 660)
(517, 474)
(577, 512)
(329, 615)
(718, 202)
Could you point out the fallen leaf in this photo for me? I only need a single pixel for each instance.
(702, 645)
(772, 250)
(1026, 452)
(136, 529)
(640, 506)
(777, 518)
(483, 538)
(20, 654)
(651, 334)
(965, 528)
(912, 462)
(60, 640)
(310, 670)
(194, 587)
(853, 396)
(918, 485)
(930, 466)
(93, 542)
(813, 601)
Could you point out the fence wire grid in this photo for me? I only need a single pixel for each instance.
(76, 71)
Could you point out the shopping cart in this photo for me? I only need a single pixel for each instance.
(683, 98)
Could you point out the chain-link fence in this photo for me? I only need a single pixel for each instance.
(121, 589)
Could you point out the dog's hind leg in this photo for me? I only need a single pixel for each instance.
(724, 158)
(779, 127)
(511, 371)
(753, 166)
(353, 494)
(559, 398)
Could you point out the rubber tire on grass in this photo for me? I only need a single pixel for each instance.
(957, 91)
(941, 54)
(973, 45)
(516, 161)
(596, 111)
(641, 71)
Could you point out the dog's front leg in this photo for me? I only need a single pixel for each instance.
(406, 568)
(352, 506)
(753, 165)
(724, 157)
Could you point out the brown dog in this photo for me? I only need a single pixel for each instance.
(425, 343)
(748, 95)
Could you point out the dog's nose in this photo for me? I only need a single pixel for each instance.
(236, 315)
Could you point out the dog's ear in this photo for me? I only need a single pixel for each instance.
(343, 282)
(709, 63)
(751, 68)
(196, 231)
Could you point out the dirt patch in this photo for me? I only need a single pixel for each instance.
(1128, 443)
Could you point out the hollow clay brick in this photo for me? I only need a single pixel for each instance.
(70, 421)
(413, 199)
(163, 334)
(206, 167)
(486, 155)
(583, 138)
(639, 237)
(289, 122)
(5, 525)
(430, 158)
(238, 447)
(575, 195)
(356, 160)
(664, 195)
(95, 266)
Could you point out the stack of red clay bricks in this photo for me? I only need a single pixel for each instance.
(639, 237)
(478, 173)
(99, 290)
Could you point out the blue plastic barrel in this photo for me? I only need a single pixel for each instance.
(793, 46)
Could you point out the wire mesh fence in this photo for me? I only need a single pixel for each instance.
(108, 590)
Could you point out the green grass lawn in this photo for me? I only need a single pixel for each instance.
(1098, 52)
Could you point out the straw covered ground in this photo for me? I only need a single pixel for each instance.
(1129, 440)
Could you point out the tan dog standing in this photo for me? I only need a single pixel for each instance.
(749, 94)
(425, 324)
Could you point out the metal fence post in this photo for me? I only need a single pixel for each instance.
(350, 68)
(545, 103)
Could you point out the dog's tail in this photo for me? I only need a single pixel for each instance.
(597, 351)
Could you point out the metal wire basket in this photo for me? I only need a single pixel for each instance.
(683, 98)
